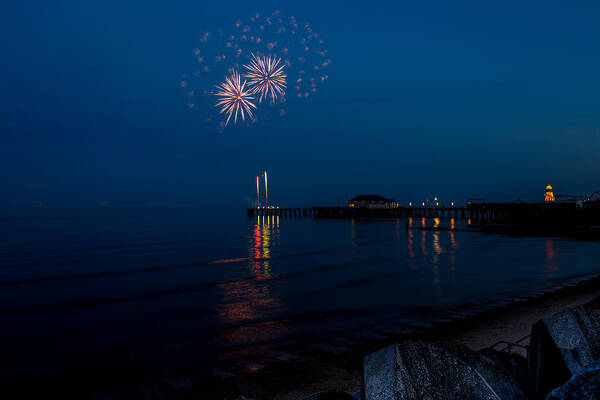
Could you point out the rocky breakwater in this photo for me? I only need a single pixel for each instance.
(563, 362)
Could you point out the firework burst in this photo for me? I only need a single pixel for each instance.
(271, 44)
(266, 77)
(234, 98)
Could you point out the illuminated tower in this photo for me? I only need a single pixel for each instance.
(549, 195)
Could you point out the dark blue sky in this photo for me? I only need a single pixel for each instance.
(458, 99)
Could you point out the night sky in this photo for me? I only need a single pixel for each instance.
(455, 99)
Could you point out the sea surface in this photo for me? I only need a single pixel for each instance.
(189, 285)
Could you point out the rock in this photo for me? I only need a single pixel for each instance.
(563, 344)
(582, 386)
(331, 395)
(418, 371)
(507, 371)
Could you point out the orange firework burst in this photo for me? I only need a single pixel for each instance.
(266, 76)
(234, 98)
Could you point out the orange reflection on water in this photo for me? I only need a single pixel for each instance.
(551, 264)
(256, 333)
(265, 271)
(454, 247)
(244, 300)
(247, 306)
(265, 236)
(453, 241)
(264, 232)
(249, 300)
(257, 245)
(229, 260)
(437, 251)
(437, 248)
(411, 252)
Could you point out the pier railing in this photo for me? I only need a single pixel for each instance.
(349, 212)
(395, 212)
(283, 212)
(485, 214)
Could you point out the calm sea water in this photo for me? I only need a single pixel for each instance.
(172, 285)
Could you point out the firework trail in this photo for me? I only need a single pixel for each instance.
(266, 77)
(234, 98)
(266, 191)
(257, 191)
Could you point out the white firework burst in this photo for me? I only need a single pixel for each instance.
(266, 77)
(234, 98)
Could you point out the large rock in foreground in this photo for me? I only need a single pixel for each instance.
(423, 371)
(583, 386)
(562, 345)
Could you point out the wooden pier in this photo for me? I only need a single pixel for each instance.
(283, 212)
(556, 214)
(348, 212)
(509, 213)
(525, 212)
(396, 212)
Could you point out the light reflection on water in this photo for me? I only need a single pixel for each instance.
(411, 235)
(243, 282)
(551, 264)
(250, 300)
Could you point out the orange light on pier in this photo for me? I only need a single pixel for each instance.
(549, 195)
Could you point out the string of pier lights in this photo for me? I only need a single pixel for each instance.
(426, 203)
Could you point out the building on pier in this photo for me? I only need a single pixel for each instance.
(371, 201)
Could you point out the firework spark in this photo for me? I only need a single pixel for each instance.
(234, 98)
(266, 76)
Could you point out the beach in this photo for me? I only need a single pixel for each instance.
(328, 370)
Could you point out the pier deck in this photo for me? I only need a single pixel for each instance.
(348, 212)
(514, 213)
